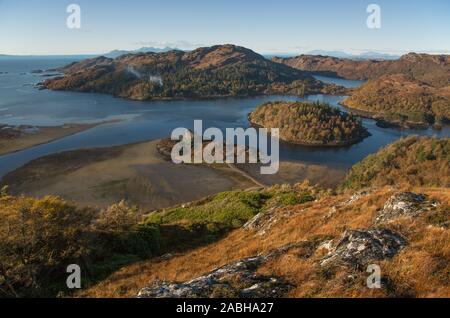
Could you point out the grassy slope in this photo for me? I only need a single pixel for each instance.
(420, 270)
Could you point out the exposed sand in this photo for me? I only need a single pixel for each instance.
(136, 173)
(139, 174)
(12, 140)
(295, 172)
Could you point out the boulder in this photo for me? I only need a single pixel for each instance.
(238, 279)
(358, 248)
(402, 204)
(263, 221)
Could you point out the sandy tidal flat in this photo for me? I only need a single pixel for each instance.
(14, 139)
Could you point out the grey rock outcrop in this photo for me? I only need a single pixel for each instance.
(238, 279)
(358, 248)
(263, 221)
(402, 204)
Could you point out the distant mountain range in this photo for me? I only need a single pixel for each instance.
(116, 53)
(369, 55)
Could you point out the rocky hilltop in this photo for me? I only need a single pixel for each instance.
(310, 124)
(217, 71)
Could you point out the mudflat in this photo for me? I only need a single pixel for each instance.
(139, 174)
(136, 173)
(14, 139)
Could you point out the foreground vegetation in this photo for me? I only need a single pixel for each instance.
(119, 250)
(310, 123)
(416, 161)
(299, 234)
(39, 238)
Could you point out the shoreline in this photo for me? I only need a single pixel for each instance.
(139, 174)
(347, 143)
(344, 91)
(133, 172)
(16, 138)
(386, 123)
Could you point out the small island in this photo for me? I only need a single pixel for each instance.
(310, 124)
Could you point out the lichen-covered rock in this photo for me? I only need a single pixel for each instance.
(238, 279)
(358, 248)
(262, 222)
(357, 195)
(402, 204)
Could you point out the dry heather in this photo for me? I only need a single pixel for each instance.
(421, 269)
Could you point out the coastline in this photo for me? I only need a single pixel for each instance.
(133, 172)
(382, 122)
(37, 135)
(41, 86)
(141, 175)
(346, 143)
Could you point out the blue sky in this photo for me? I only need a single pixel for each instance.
(281, 26)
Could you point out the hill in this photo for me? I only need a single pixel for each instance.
(218, 71)
(414, 161)
(411, 91)
(402, 101)
(310, 124)
(433, 70)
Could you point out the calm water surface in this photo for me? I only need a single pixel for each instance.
(22, 103)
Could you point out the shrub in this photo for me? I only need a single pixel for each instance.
(416, 161)
(39, 238)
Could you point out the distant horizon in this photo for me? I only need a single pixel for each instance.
(268, 27)
(292, 53)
